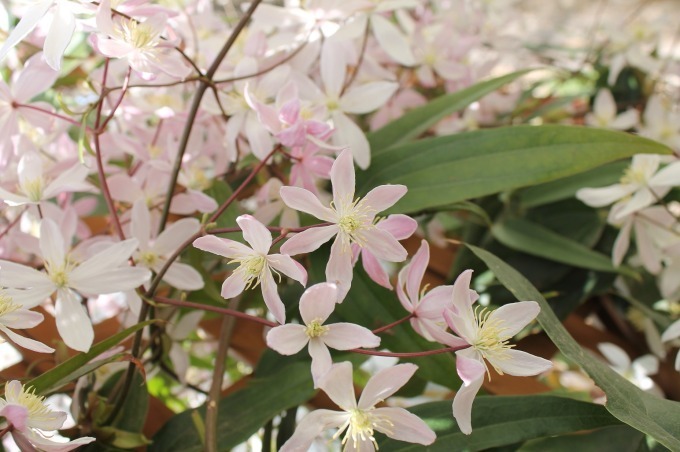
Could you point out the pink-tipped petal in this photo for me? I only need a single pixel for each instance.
(271, 297)
(346, 336)
(308, 240)
(222, 247)
(305, 201)
(342, 178)
(321, 360)
(400, 226)
(287, 339)
(383, 197)
(405, 426)
(385, 383)
(384, 246)
(318, 302)
(375, 270)
(337, 384)
(471, 372)
(255, 233)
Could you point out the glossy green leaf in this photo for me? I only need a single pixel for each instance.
(502, 420)
(441, 171)
(419, 120)
(79, 365)
(531, 238)
(619, 438)
(642, 411)
(242, 413)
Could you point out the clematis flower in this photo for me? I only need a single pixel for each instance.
(427, 308)
(637, 371)
(139, 43)
(636, 190)
(104, 272)
(256, 266)
(488, 334)
(30, 417)
(604, 113)
(352, 222)
(153, 254)
(316, 305)
(360, 419)
(15, 316)
(34, 185)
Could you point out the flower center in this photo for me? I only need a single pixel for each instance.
(355, 218)
(360, 427)
(148, 258)
(634, 176)
(137, 34)
(33, 189)
(32, 402)
(251, 269)
(490, 339)
(7, 305)
(315, 328)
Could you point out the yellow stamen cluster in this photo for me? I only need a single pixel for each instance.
(33, 189)
(35, 404)
(148, 258)
(251, 269)
(59, 273)
(7, 305)
(634, 176)
(360, 426)
(315, 328)
(355, 218)
(490, 340)
(138, 34)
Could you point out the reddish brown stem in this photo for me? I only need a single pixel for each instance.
(393, 324)
(224, 311)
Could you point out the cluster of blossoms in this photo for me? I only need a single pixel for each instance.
(165, 114)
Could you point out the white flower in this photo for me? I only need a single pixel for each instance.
(105, 272)
(15, 316)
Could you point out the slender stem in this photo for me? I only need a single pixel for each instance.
(393, 324)
(411, 354)
(13, 223)
(53, 114)
(100, 164)
(218, 310)
(196, 103)
(126, 82)
(212, 407)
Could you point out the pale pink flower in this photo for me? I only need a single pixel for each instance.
(360, 419)
(427, 308)
(104, 272)
(487, 333)
(36, 77)
(604, 113)
(316, 305)
(35, 184)
(256, 265)
(353, 221)
(139, 42)
(153, 253)
(401, 227)
(30, 418)
(636, 371)
(15, 316)
(637, 188)
(661, 122)
(61, 29)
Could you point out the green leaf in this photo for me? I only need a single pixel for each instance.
(79, 365)
(444, 170)
(531, 238)
(242, 413)
(619, 438)
(419, 120)
(220, 191)
(642, 411)
(503, 420)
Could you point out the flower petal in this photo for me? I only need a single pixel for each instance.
(271, 297)
(383, 197)
(175, 234)
(346, 336)
(73, 323)
(308, 240)
(110, 281)
(288, 266)
(321, 360)
(140, 225)
(255, 233)
(375, 270)
(342, 179)
(287, 339)
(311, 426)
(230, 249)
(385, 383)
(22, 277)
(471, 372)
(405, 426)
(367, 97)
(520, 364)
(513, 317)
(52, 244)
(26, 342)
(318, 302)
(183, 277)
(233, 285)
(59, 35)
(305, 201)
(337, 384)
(384, 246)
